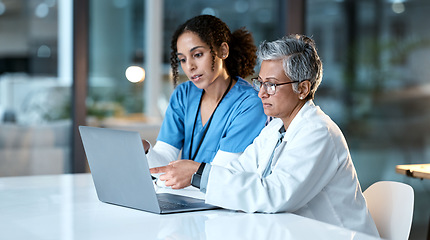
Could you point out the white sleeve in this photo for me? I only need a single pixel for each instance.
(303, 169)
(161, 154)
(223, 158)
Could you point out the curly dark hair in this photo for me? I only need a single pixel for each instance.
(211, 30)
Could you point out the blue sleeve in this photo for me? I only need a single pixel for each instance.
(172, 128)
(245, 127)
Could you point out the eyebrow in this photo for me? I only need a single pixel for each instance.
(191, 50)
(269, 78)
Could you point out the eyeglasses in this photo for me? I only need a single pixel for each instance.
(269, 87)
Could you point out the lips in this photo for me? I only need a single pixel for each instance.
(265, 105)
(196, 77)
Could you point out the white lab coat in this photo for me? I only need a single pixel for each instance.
(312, 174)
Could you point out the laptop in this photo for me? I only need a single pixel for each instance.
(121, 174)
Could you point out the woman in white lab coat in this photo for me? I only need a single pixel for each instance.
(300, 162)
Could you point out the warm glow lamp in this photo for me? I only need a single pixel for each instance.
(135, 74)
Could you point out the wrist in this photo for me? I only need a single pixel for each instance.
(196, 178)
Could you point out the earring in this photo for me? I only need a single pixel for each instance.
(301, 98)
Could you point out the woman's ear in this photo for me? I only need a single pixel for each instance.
(224, 50)
(304, 89)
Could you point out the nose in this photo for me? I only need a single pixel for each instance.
(263, 93)
(191, 65)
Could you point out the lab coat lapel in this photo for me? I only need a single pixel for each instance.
(268, 146)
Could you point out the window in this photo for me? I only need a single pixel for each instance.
(35, 80)
(376, 76)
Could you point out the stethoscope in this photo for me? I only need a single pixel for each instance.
(208, 123)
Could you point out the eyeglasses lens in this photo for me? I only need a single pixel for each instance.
(270, 88)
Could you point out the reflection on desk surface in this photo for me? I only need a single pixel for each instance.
(414, 170)
(66, 207)
(223, 224)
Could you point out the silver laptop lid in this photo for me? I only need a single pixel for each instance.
(119, 168)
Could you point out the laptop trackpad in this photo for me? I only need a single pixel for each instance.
(170, 203)
(178, 199)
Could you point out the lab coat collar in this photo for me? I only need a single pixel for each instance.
(298, 118)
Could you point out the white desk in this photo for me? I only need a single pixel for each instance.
(67, 207)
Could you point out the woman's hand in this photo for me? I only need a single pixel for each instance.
(178, 173)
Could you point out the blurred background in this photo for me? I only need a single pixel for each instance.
(64, 64)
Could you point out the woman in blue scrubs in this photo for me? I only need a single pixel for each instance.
(213, 117)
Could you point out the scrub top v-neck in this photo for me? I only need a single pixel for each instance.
(193, 154)
(238, 119)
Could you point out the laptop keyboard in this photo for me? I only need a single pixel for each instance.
(171, 205)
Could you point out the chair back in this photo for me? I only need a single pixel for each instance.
(391, 205)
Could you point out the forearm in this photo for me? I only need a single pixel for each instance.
(221, 159)
(292, 183)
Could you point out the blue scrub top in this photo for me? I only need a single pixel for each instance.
(238, 119)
